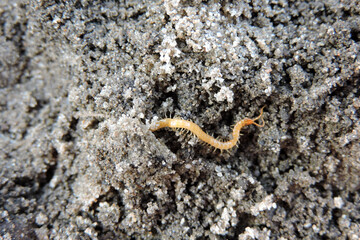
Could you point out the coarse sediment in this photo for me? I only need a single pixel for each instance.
(81, 82)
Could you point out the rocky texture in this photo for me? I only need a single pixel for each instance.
(81, 81)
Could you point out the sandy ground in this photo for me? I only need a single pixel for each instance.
(82, 81)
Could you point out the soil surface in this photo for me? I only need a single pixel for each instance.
(82, 81)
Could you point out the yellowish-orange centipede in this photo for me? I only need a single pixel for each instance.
(198, 132)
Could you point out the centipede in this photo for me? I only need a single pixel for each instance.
(175, 123)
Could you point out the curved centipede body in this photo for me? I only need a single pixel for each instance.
(199, 133)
